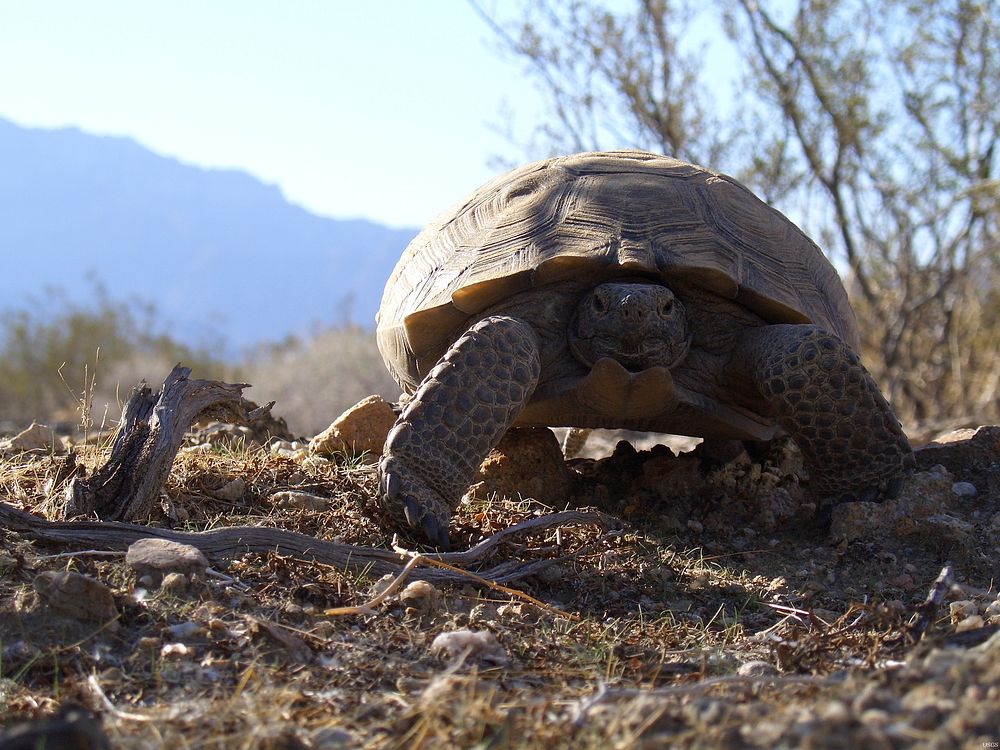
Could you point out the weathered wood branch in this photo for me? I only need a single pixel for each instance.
(148, 438)
(225, 543)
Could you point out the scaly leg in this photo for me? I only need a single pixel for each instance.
(458, 414)
(824, 398)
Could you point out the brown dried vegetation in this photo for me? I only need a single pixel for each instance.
(720, 615)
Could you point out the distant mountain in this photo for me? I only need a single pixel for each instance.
(205, 245)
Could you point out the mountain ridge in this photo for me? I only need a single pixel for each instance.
(219, 252)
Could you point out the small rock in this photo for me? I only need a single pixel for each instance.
(278, 446)
(696, 526)
(175, 583)
(756, 668)
(231, 491)
(973, 622)
(517, 611)
(484, 612)
(359, 430)
(420, 595)
(184, 630)
(474, 643)
(964, 489)
(379, 586)
(332, 738)
(992, 609)
(295, 500)
(156, 557)
(875, 717)
(174, 650)
(37, 437)
(76, 595)
(961, 609)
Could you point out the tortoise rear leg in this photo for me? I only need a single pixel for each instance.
(824, 398)
(461, 410)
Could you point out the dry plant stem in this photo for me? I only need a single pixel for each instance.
(927, 610)
(152, 429)
(221, 544)
(369, 606)
(509, 591)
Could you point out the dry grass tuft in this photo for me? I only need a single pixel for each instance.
(647, 637)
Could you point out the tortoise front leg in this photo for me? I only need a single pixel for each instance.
(824, 398)
(457, 416)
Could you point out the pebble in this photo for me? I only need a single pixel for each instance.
(836, 712)
(156, 557)
(756, 668)
(296, 500)
(359, 430)
(964, 489)
(76, 595)
(231, 491)
(37, 437)
(475, 643)
(972, 622)
(421, 596)
(175, 583)
(961, 609)
(184, 630)
(332, 738)
(174, 650)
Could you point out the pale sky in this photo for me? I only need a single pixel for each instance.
(382, 110)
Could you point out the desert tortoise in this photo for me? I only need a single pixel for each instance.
(621, 289)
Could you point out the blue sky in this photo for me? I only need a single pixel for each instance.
(383, 110)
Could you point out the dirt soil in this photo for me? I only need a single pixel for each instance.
(726, 611)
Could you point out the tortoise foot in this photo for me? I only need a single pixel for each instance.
(423, 508)
(461, 410)
(824, 398)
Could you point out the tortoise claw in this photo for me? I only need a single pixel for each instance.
(433, 529)
(436, 532)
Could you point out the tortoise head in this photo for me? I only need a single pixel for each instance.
(637, 324)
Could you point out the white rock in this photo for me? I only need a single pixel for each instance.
(36, 437)
(973, 622)
(231, 491)
(756, 668)
(475, 643)
(295, 500)
(961, 609)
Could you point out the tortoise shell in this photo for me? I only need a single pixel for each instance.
(593, 217)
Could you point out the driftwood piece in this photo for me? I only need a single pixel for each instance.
(225, 543)
(148, 438)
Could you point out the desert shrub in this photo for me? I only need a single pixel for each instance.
(55, 351)
(314, 379)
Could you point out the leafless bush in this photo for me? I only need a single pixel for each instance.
(314, 380)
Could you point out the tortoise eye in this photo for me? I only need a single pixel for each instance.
(666, 307)
(599, 304)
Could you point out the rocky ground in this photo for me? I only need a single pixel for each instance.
(720, 608)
